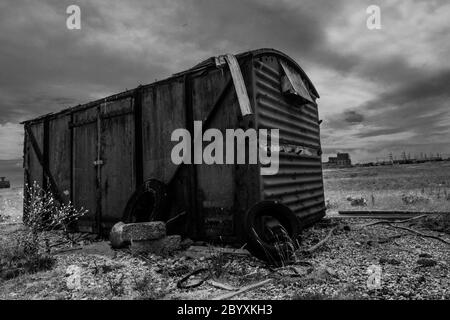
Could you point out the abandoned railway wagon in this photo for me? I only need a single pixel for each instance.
(113, 156)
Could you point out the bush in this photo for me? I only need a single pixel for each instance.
(146, 288)
(116, 284)
(411, 199)
(436, 222)
(44, 213)
(23, 256)
(29, 251)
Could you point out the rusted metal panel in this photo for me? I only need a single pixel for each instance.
(117, 154)
(84, 182)
(299, 183)
(292, 83)
(59, 154)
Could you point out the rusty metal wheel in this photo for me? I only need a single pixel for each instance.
(272, 232)
(148, 203)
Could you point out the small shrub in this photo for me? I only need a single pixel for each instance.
(331, 205)
(411, 199)
(44, 213)
(29, 251)
(285, 247)
(146, 288)
(436, 222)
(116, 284)
(217, 264)
(357, 202)
(23, 256)
(103, 268)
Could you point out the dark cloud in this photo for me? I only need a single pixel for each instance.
(353, 117)
(419, 87)
(419, 106)
(46, 67)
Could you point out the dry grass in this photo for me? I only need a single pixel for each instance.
(11, 205)
(418, 187)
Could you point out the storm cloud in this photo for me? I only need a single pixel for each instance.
(379, 89)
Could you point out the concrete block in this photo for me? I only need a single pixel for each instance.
(144, 231)
(161, 247)
(116, 236)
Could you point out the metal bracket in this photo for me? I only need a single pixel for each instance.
(98, 162)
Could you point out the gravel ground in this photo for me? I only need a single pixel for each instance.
(337, 270)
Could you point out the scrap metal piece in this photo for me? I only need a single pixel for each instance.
(293, 83)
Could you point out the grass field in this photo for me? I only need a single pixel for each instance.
(421, 187)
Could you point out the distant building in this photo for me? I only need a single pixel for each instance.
(4, 183)
(341, 160)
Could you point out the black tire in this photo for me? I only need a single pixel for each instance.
(275, 244)
(148, 203)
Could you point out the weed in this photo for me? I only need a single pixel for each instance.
(44, 213)
(411, 199)
(217, 264)
(29, 252)
(116, 284)
(284, 246)
(146, 288)
(103, 268)
(23, 256)
(331, 205)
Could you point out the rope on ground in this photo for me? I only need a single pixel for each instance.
(322, 242)
(420, 233)
(181, 283)
(242, 290)
(389, 222)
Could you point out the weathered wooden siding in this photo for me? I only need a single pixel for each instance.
(84, 184)
(162, 112)
(59, 154)
(215, 183)
(34, 168)
(117, 154)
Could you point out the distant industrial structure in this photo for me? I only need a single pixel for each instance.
(406, 158)
(342, 160)
(4, 184)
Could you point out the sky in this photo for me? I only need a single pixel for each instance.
(381, 91)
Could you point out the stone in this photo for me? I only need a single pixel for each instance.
(186, 243)
(391, 261)
(425, 255)
(346, 228)
(116, 236)
(73, 274)
(426, 262)
(322, 273)
(144, 231)
(161, 247)
(100, 248)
